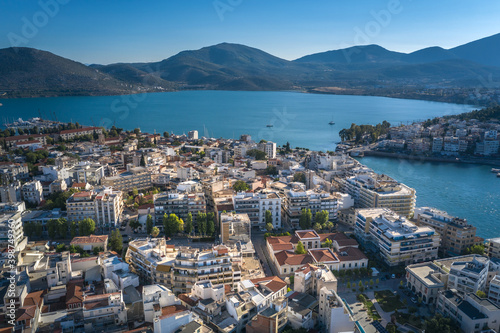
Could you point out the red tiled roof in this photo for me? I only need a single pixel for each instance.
(168, 311)
(281, 247)
(351, 254)
(81, 185)
(74, 294)
(339, 237)
(323, 255)
(307, 234)
(26, 313)
(34, 298)
(290, 258)
(274, 283)
(89, 239)
(188, 300)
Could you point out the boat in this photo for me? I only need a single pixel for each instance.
(331, 122)
(270, 125)
(498, 174)
(495, 170)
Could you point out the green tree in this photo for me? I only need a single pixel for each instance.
(116, 241)
(86, 227)
(305, 220)
(240, 186)
(481, 294)
(52, 228)
(317, 227)
(321, 217)
(348, 285)
(210, 225)
(134, 224)
(60, 248)
(329, 225)
(155, 232)
(377, 281)
(73, 228)
(300, 249)
(188, 226)
(269, 227)
(299, 177)
(201, 222)
(143, 161)
(268, 216)
(149, 224)
(328, 243)
(38, 229)
(172, 225)
(96, 250)
(475, 249)
(135, 192)
(271, 170)
(372, 283)
(257, 154)
(440, 324)
(62, 227)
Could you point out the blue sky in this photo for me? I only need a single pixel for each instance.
(109, 31)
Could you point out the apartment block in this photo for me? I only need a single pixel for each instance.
(105, 207)
(180, 204)
(456, 234)
(296, 199)
(469, 276)
(371, 190)
(398, 240)
(11, 232)
(235, 228)
(72, 133)
(32, 192)
(85, 172)
(138, 177)
(256, 204)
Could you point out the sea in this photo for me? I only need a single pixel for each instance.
(303, 120)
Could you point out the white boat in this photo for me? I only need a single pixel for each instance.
(495, 170)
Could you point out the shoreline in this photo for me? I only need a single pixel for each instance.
(429, 158)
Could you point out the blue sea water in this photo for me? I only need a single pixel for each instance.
(468, 191)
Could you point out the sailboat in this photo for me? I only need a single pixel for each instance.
(331, 122)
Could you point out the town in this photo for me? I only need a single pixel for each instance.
(123, 231)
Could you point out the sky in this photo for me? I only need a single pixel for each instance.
(110, 31)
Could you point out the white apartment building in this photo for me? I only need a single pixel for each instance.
(86, 172)
(11, 231)
(138, 177)
(104, 206)
(180, 204)
(469, 276)
(256, 204)
(371, 190)
(32, 192)
(193, 135)
(296, 199)
(472, 313)
(269, 148)
(398, 240)
(154, 298)
(333, 313)
(102, 310)
(494, 290)
(11, 192)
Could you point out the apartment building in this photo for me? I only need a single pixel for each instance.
(269, 148)
(10, 172)
(192, 265)
(469, 276)
(11, 192)
(11, 231)
(32, 192)
(256, 204)
(334, 314)
(101, 311)
(397, 240)
(371, 190)
(472, 313)
(193, 135)
(492, 248)
(180, 204)
(311, 278)
(146, 255)
(235, 228)
(104, 206)
(85, 172)
(138, 177)
(296, 199)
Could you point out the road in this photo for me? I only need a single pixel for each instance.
(259, 243)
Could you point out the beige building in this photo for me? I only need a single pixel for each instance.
(456, 234)
(235, 228)
(72, 133)
(426, 280)
(138, 177)
(105, 207)
(310, 278)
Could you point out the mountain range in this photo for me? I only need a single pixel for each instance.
(26, 72)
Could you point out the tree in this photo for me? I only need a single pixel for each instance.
(269, 227)
(317, 227)
(299, 177)
(155, 231)
(371, 283)
(257, 154)
(210, 224)
(143, 161)
(201, 221)
(188, 226)
(135, 192)
(329, 225)
(348, 285)
(73, 229)
(96, 250)
(62, 227)
(321, 217)
(172, 224)
(440, 324)
(271, 170)
(134, 224)
(377, 281)
(60, 248)
(475, 249)
(116, 241)
(52, 228)
(86, 227)
(305, 218)
(240, 186)
(268, 216)
(328, 243)
(481, 294)
(300, 249)
(166, 135)
(149, 224)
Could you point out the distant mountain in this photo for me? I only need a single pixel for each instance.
(484, 51)
(355, 54)
(28, 72)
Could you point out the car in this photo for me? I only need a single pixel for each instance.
(124, 236)
(414, 300)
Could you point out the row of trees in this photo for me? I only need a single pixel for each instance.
(320, 220)
(357, 132)
(58, 228)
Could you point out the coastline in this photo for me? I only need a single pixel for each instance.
(419, 158)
